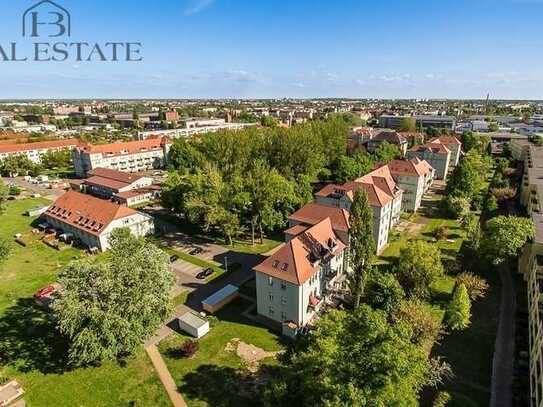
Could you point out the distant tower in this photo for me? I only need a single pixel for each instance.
(487, 101)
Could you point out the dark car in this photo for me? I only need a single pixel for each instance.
(205, 274)
(195, 251)
(173, 258)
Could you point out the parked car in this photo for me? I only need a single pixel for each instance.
(196, 251)
(205, 274)
(174, 258)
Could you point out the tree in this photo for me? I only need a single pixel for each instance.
(425, 328)
(387, 152)
(353, 359)
(505, 235)
(350, 168)
(467, 179)
(18, 164)
(472, 227)
(106, 309)
(362, 247)
(458, 312)
(409, 124)
(458, 207)
(268, 121)
(383, 291)
(492, 127)
(476, 286)
(442, 399)
(418, 267)
(56, 159)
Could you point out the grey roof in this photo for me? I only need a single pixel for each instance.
(193, 320)
(220, 295)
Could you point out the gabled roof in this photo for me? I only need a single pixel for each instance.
(389, 135)
(434, 148)
(86, 212)
(130, 147)
(299, 259)
(413, 167)
(445, 140)
(120, 176)
(313, 213)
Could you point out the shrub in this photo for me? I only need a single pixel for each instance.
(458, 312)
(189, 348)
(441, 232)
(442, 399)
(383, 291)
(457, 207)
(475, 285)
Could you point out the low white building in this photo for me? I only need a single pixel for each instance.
(91, 220)
(35, 151)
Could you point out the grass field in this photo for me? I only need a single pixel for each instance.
(212, 377)
(32, 351)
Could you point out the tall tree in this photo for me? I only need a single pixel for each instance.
(458, 312)
(418, 267)
(409, 124)
(107, 309)
(505, 235)
(362, 247)
(387, 152)
(354, 359)
(383, 291)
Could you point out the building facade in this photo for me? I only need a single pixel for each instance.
(414, 177)
(133, 156)
(437, 155)
(35, 151)
(453, 144)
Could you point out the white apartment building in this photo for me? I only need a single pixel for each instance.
(437, 155)
(34, 151)
(133, 156)
(414, 177)
(297, 280)
(91, 220)
(192, 131)
(453, 144)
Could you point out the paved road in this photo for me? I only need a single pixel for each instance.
(504, 348)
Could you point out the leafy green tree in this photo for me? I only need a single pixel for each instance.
(56, 159)
(467, 179)
(362, 247)
(353, 359)
(383, 291)
(107, 308)
(18, 164)
(472, 227)
(419, 266)
(409, 124)
(387, 152)
(457, 206)
(458, 312)
(350, 168)
(424, 326)
(268, 121)
(493, 127)
(442, 399)
(505, 235)
(4, 192)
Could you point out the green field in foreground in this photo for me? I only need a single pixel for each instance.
(31, 350)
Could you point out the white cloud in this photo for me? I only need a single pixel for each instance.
(196, 6)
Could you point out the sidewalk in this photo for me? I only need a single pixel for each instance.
(165, 376)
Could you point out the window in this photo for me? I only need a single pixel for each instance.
(283, 316)
(271, 311)
(270, 281)
(271, 296)
(283, 285)
(283, 300)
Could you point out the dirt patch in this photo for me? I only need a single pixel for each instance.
(250, 354)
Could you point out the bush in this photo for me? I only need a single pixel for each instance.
(383, 291)
(457, 207)
(458, 312)
(189, 348)
(442, 399)
(441, 233)
(3, 380)
(475, 285)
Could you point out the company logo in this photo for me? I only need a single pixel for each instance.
(59, 18)
(48, 21)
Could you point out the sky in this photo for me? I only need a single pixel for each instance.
(289, 48)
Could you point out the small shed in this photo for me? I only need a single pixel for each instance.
(193, 324)
(224, 296)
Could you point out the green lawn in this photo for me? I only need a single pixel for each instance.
(32, 351)
(212, 377)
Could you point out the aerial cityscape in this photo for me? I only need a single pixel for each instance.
(223, 203)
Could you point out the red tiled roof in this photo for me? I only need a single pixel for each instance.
(41, 145)
(86, 212)
(293, 261)
(433, 148)
(412, 167)
(296, 230)
(390, 136)
(444, 140)
(120, 176)
(130, 147)
(313, 213)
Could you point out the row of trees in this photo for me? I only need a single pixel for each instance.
(250, 180)
(21, 164)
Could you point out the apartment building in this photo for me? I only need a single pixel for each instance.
(453, 144)
(192, 131)
(295, 282)
(437, 155)
(124, 188)
(422, 121)
(313, 213)
(384, 196)
(133, 156)
(519, 148)
(390, 137)
(35, 151)
(414, 177)
(91, 220)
